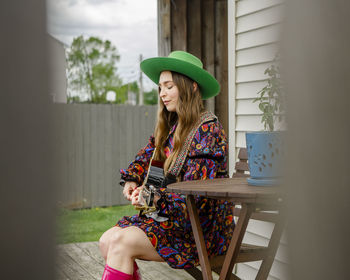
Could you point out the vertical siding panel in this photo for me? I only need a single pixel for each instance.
(194, 20)
(60, 128)
(93, 163)
(163, 27)
(86, 141)
(66, 155)
(78, 146)
(75, 159)
(123, 127)
(70, 159)
(60, 158)
(179, 25)
(129, 114)
(232, 89)
(221, 59)
(154, 118)
(208, 43)
(108, 155)
(149, 124)
(145, 123)
(142, 126)
(68, 152)
(116, 147)
(141, 120)
(100, 155)
(136, 130)
(145, 132)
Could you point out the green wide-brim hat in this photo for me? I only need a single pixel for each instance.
(183, 63)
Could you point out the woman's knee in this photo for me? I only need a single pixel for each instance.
(119, 243)
(105, 240)
(127, 242)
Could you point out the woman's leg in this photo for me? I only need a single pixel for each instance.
(128, 244)
(104, 240)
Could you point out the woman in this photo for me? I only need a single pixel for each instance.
(183, 83)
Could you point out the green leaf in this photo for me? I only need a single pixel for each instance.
(271, 97)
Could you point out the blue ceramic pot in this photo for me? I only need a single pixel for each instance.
(265, 153)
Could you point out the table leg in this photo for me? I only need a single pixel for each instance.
(265, 266)
(236, 241)
(198, 237)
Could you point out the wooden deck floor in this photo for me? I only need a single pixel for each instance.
(82, 261)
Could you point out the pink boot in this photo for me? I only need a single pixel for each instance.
(112, 274)
(136, 275)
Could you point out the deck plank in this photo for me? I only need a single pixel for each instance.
(92, 249)
(71, 268)
(77, 261)
(86, 262)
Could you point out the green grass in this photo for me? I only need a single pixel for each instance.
(88, 224)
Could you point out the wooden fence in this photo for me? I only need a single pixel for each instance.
(93, 142)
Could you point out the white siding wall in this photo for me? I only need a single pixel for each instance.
(57, 70)
(254, 27)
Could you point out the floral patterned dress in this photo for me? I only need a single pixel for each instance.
(173, 239)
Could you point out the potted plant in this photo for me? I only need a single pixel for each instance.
(265, 148)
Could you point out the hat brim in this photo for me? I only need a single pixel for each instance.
(208, 85)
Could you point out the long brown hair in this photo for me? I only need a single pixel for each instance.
(188, 110)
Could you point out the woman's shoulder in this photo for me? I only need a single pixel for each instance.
(211, 127)
(210, 124)
(210, 136)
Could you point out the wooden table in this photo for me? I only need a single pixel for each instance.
(231, 189)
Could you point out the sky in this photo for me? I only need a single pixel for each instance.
(131, 25)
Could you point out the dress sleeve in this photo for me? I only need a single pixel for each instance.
(137, 169)
(207, 157)
(206, 160)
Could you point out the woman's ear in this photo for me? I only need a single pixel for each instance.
(195, 86)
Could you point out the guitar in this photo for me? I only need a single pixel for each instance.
(153, 181)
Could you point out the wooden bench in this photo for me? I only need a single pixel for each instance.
(249, 252)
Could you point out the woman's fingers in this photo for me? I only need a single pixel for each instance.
(135, 196)
(135, 200)
(129, 187)
(126, 191)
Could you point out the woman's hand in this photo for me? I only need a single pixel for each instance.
(135, 196)
(156, 198)
(129, 187)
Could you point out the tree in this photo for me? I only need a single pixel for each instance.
(92, 69)
(122, 92)
(151, 97)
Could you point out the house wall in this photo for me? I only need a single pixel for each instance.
(253, 29)
(198, 27)
(57, 70)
